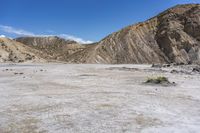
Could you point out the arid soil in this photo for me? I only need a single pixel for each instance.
(67, 98)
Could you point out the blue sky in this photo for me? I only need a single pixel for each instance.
(84, 20)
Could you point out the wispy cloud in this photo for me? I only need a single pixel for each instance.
(13, 30)
(22, 32)
(77, 39)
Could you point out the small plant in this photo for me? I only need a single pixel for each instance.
(158, 80)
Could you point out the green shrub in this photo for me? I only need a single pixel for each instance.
(158, 80)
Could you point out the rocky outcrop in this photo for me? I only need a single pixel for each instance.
(178, 33)
(12, 51)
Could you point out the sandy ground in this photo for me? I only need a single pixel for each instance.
(63, 98)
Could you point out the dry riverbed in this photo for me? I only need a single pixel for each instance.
(66, 98)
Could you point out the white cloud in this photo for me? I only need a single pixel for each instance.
(12, 30)
(77, 39)
(2, 36)
(21, 32)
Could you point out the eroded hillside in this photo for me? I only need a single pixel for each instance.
(12, 51)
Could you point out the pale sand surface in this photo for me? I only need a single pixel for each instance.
(67, 98)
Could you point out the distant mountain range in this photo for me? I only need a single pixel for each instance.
(173, 36)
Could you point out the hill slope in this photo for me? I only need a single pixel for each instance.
(52, 47)
(172, 36)
(12, 51)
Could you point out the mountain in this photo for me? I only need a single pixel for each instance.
(52, 47)
(172, 36)
(12, 51)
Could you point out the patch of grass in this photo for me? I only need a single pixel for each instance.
(157, 80)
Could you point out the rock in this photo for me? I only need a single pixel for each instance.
(20, 61)
(174, 71)
(196, 69)
(16, 73)
(156, 65)
(166, 65)
(180, 72)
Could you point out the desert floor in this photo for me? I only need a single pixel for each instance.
(67, 98)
